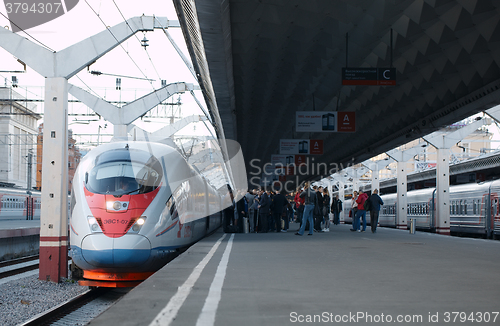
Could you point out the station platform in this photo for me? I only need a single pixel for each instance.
(336, 277)
(16, 228)
(19, 238)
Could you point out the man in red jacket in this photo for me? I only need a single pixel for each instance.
(299, 205)
(361, 210)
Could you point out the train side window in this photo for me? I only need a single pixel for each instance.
(461, 211)
(465, 206)
(473, 207)
(452, 208)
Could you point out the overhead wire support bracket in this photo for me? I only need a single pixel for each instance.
(98, 73)
(176, 47)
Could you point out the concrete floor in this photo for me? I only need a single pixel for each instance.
(283, 279)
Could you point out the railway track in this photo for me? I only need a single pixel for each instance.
(18, 266)
(80, 310)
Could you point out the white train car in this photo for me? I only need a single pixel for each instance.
(133, 206)
(16, 204)
(474, 209)
(493, 218)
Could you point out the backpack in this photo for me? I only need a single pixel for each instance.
(367, 204)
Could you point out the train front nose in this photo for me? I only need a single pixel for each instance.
(130, 250)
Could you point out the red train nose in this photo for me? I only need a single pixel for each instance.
(116, 215)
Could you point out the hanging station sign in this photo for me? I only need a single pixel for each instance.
(346, 122)
(301, 146)
(316, 121)
(369, 76)
(324, 121)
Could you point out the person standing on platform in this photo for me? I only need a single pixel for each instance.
(264, 206)
(252, 208)
(326, 211)
(278, 206)
(336, 209)
(270, 218)
(240, 214)
(375, 202)
(361, 210)
(299, 205)
(309, 197)
(354, 211)
(318, 209)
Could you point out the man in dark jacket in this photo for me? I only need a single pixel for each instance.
(264, 206)
(318, 210)
(375, 202)
(278, 205)
(336, 209)
(240, 212)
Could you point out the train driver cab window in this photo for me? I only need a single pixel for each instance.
(124, 173)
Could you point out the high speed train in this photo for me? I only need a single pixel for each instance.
(474, 209)
(133, 206)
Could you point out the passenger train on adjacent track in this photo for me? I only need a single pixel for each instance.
(474, 209)
(134, 205)
(17, 204)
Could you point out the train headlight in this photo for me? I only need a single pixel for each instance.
(138, 224)
(113, 205)
(94, 225)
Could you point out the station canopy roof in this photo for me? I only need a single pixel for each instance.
(260, 61)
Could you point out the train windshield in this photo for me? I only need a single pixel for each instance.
(123, 177)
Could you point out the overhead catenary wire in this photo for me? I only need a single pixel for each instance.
(120, 44)
(36, 40)
(140, 42)
(176, 47)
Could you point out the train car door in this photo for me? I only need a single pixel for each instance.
(487, 213)
(432, 212)
(494, 213)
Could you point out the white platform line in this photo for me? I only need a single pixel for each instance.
(207, 315)
(167, 315)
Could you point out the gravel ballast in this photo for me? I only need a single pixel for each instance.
(27, 297)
